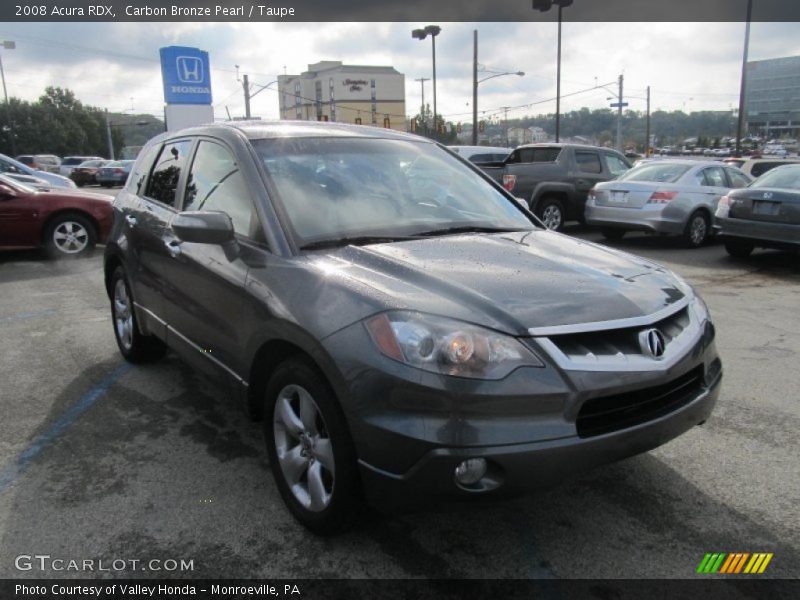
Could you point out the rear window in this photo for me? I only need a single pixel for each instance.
(760, 168)
(787, 177)
(485, 158)
(535, 155)
(25, 160)
(658, 172)
(70, 161)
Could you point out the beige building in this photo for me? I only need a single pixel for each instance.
(332, 91)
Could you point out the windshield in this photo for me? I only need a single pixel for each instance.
(787, 177)
(334, 188)
(659, 172)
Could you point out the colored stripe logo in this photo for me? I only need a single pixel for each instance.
(734, 563)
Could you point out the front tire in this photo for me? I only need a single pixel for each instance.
(311, 454)
(697, 229)
(739, 249)
(551, 212)
(69, 236)
(133, 345)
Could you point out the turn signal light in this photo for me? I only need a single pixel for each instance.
(661, 197)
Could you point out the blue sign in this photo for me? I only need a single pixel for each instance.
(618, 104)
(186, 75)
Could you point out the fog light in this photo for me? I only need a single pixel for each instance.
(470, 471)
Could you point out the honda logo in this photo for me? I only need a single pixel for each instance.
(190, 69)
(652, 343)
(767, 195)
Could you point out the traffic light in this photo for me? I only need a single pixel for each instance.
(458, 128)
(481, 126)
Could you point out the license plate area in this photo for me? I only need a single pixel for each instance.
(618, 196)
(766, 207)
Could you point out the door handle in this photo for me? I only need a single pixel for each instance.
(173, 247)
(130, 220)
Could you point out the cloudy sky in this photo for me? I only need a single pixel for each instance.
(690, 66)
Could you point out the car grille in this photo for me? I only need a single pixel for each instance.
(617, 345)
(620, 411)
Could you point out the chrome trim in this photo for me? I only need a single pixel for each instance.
(612, 324)
(207, 355)
(675, 351)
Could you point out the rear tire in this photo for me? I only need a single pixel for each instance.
(551, 212)
(311, 453)
(69, 235)
(133, 345)
(613, 235)
(739, 249)
(697, 229)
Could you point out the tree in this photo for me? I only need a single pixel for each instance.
(425, 127)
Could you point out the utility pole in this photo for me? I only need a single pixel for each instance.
(246, 88)
(743, 87)
(108, 137)
(475, 88)
(505, 120)
(619, 116)
(647, 139)
(8, 45)
(558, 81)
(435, 114)
(422, 81)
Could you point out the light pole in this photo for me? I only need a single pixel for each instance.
(421, 34)
(544, 6)
(8, 45)
(743, 86)
(475, 82)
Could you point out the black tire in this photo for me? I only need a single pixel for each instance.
(69, 235)
(697, 230)
(613, 235)
(551, 212)
(344, 495)
(739, 249)
(140, 348)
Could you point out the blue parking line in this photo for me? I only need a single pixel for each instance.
(10, 474)
(29, 315)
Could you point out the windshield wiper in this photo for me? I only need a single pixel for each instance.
(469, 229)
(361, 240)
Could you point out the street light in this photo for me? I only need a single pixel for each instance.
(544, 6)
(421, 34)
(8, 45)
(477, 81)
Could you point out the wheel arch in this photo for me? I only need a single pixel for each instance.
(65, 212)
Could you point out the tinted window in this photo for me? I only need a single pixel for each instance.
(588, 162)
(787, 177)
(484, 158)
(616, 166)
(25, 160)
(535, 155)
(68, 162)
(662, 172)
(713, 177)
(760, 168)
(737, 178)
(142, 168)
(163, 181)
(216, 183)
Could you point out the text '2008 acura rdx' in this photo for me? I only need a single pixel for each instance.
(405, 329)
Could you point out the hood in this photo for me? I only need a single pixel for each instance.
(507, 281)
(69, 194)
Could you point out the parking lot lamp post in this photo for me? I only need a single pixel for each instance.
(743, 85)
(477, 81)
(421, 34)
(108, 137)
(8, 45)
(544, 6)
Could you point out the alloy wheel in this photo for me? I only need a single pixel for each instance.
(70, 237)
(123, 315)
(551, 217)
(304, 448)
(698, 230)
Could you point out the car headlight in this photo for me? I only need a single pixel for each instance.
(448, 346)
(700, 309)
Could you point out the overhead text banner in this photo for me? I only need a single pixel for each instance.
(395, 10)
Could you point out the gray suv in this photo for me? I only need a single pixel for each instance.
(403, 327)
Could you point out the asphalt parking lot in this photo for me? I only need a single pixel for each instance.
(99, 460)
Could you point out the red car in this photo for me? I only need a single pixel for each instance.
(65, 222)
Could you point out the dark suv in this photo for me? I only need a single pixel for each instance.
(400, 323)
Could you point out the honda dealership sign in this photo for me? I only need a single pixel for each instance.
(187, 86)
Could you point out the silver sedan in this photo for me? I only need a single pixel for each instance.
(666, 196)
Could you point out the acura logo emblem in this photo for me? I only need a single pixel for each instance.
(652, 343)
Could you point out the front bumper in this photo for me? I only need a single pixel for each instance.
(412, 428)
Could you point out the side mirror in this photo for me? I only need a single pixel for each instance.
(522, 202)
(203, 227)
(6, 192)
